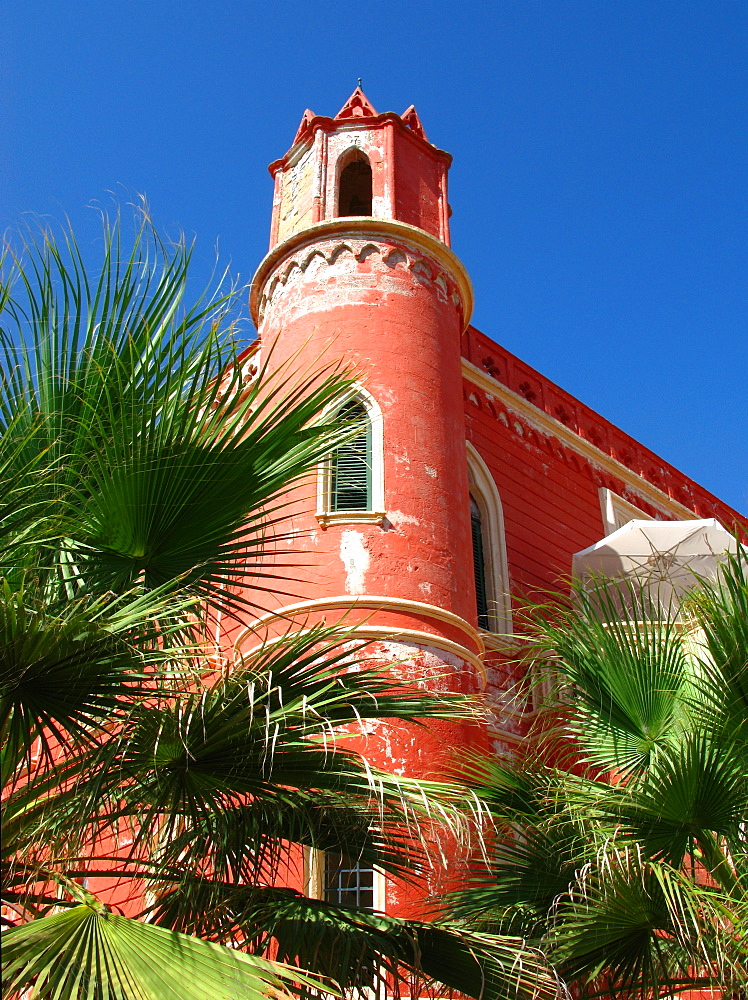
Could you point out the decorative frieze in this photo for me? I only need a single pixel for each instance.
(331, 258)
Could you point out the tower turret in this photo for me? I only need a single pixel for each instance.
(360, 272)
(360, 163)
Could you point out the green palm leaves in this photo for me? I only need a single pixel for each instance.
(156, 473)
(91, 953)
(625, 853)
(144, 467)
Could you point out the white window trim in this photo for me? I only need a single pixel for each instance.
(314, 879)
(496, 565)
(376, 514)
(616, 511)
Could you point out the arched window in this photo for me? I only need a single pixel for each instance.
(494, 608)
(350, 464)
(354, 187)
(350, 487)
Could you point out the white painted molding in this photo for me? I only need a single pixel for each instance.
(616, 511)
(351, 517)
(366, 228)
(387, 633)
(345, 603)
(483, 488)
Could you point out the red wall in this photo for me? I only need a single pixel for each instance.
(548, 490)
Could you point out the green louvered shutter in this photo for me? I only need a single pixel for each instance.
(479, 565)
(350, 479)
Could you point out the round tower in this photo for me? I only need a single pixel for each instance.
(360, 271)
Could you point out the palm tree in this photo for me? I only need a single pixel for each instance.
(143, 462)
(623, 846)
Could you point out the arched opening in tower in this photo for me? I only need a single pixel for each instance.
(354, 192)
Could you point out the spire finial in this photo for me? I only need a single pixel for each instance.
(360, 85)
(357, 106)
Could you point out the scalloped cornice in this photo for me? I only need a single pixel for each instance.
(372, 230)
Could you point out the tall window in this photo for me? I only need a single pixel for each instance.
(354, 190)
(479, 565)
(348, 882)
(350, 464)
(350, 483)
(489, 548)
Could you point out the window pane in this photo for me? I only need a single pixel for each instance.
(479, 566)
(350, 474)
(347, 883)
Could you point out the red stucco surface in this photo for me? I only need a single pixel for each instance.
(383, 296)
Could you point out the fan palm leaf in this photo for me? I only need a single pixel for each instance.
(621, 844)
(89, 953)
(355, 948)
(169, 454)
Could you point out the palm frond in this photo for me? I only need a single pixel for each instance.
(355, 948)
(169, 454)
(645, 927)
(89, 953)
(720, 616)
(628, 677)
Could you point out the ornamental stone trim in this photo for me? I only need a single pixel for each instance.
(361, 245)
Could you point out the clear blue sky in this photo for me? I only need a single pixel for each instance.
(599, 186)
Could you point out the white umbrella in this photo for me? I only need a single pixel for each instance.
(665, 557)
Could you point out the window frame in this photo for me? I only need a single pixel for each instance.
(314, 879)
(482, 489)
(375, 513)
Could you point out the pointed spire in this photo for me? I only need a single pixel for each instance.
(358, 105)
(411, 119)
(306, 119)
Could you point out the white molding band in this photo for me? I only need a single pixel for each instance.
(547, 424)
(616, 511)
(387, 633)
(373, 603)
(365, 227)
(351, 517)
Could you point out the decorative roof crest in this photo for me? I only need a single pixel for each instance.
(358, 105)
(411, 119)
(303, 128)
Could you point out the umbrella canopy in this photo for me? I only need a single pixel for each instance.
(665, 557)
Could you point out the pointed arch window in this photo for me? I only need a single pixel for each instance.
(351, 481)
(355, 186)
(490, 568)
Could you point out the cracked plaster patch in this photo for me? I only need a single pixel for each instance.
(355, 558)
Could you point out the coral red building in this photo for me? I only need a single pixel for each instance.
(473, 477)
